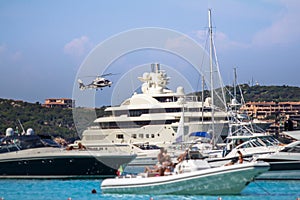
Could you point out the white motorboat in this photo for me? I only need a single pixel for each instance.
(191, 177)
(249, 145)
(284, 164)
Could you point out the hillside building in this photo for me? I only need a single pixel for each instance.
(283, 115)
(263, 110)
(58, 102)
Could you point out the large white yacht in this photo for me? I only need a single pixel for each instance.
(153, 115)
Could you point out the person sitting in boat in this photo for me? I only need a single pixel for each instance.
(157, 170)
(241, 160)
(158, 167)
(81, 146)
(161, 155)
(167, 164)
(164, 164)
(235, 160)
(232, 162)
(182, 156)
(69, 148)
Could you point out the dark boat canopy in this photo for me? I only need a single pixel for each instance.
(17, 143)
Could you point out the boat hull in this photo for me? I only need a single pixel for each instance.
(281, 170)
(215, 181)
(60, 164)
(280, 175)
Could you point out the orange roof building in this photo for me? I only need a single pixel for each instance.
(261, 110)
(58, 102)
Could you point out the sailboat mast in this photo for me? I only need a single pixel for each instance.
(234, 89)
(202, 98)
(211, 76)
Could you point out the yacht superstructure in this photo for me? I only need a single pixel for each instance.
(153, 115)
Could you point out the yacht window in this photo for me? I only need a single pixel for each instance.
(171, 110)
(141, 135)
(245, 145)
(256, 143)
(194, 109)
(137, 113)
(108, 113)
(261, 142)
(166, 99)
(152, 136)
(205, 109)
(119, 112)
(142, 123)
(295, 149)
(270, 141)
(147, 135)
(120, 136)
(133, 135)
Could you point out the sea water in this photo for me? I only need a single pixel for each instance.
(82, 190)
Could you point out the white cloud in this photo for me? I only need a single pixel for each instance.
(221, 40)
(285, 30)
(78, 46)
(178, 43)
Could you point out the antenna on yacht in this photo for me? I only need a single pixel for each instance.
(23, 130)
(211, 76)
(234, 88)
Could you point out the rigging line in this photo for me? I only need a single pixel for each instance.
(201, 65)
(219, 75)
(223, 99)
(229, 92)
(240, 89)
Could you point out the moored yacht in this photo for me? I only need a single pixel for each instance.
(153, 115)
(28, 156)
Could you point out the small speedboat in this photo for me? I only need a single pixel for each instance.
(190, 177)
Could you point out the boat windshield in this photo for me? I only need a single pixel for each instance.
(256, 142)
(270, 141)
(16, 143)
(292, 149)
(147, 146)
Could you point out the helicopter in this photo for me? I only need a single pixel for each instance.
(99, 82)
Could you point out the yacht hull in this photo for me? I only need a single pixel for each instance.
(60, 164)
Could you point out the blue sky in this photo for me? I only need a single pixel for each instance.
(43, 43)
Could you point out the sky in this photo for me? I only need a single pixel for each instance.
(43, 44)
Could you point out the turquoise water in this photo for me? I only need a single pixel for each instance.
(81, 190)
